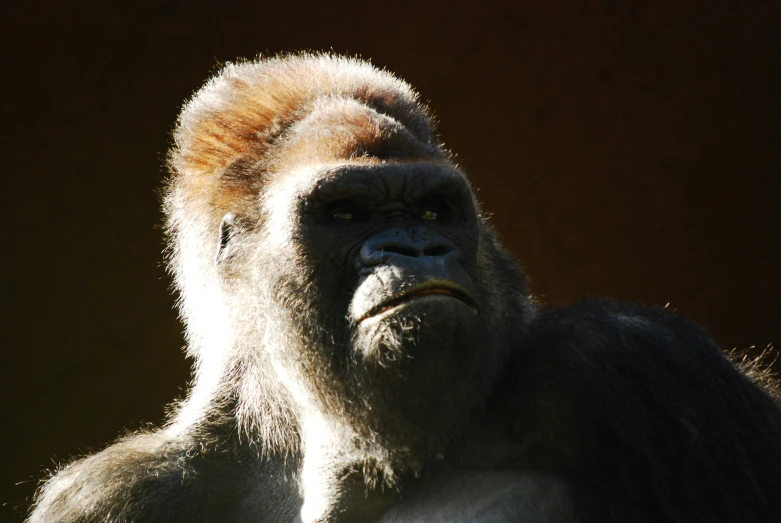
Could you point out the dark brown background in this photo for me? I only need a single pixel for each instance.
(629, 152)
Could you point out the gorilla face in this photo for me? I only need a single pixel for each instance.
(405, 239)
(396, 320)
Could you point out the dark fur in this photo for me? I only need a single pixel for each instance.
(641, 410)
(599, 412)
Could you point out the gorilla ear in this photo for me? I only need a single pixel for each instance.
(229, 227)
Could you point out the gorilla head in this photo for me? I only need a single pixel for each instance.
(356, 289)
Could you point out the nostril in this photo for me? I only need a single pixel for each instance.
(437, 250)
(401, 245)
(400, 249)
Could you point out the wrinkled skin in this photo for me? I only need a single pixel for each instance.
(366, 350)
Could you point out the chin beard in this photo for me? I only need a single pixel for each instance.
(414, 376)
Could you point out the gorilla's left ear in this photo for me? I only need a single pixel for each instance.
(229, 229)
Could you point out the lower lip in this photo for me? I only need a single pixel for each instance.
(417, 298)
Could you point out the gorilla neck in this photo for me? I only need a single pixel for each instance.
(346, 467)
(339, 472)
(357, 432)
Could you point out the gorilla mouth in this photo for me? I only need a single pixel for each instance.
(438, 288)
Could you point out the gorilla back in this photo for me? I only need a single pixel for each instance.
(366, 350)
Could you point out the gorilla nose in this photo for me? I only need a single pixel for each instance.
(399, 244)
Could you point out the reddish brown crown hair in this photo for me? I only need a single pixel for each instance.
(229, 134)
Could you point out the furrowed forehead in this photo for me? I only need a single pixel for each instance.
(374, 182)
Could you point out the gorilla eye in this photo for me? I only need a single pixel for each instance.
(346, 211)
(428, 214)
(434, 210)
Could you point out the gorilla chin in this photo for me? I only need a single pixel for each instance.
(395, 318)
(418, 367)
(411, 326)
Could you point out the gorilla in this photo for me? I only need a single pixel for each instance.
(365, 350)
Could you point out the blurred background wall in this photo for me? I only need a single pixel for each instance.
(624, 151)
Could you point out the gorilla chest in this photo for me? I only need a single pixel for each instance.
(483, 497)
